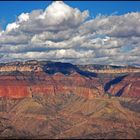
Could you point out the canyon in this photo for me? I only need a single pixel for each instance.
(21, 79)
(62, 100)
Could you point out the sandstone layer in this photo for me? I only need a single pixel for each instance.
(19, 80)
(53, 100)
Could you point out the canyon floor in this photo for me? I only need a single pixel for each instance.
(70, 117)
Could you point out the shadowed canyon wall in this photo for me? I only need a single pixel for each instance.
(22, 79)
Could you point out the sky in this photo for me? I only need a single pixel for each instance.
(81, 32)
(11, 9)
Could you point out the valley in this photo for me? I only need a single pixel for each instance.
(62, 101)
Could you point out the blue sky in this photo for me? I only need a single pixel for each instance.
(77, 32)
(10, 10)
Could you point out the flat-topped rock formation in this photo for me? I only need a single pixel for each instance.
(120, 70)
(38, 66)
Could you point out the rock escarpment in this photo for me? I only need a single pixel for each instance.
(22, 79)
(53, 100)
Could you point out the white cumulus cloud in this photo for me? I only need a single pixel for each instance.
(64, 33)
(23, 17)
(12, 26)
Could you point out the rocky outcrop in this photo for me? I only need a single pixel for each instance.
(63, 101)
(23, 79)
(22, 86)
(39, 66)
(24, 68)
(120, 70)
(70, 117)
(105, 69)
(128, 86)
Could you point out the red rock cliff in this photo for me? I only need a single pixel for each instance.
(31, 78)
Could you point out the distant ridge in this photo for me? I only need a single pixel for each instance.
(51, 67)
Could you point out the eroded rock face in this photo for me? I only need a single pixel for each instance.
(23, 86)
(69, 116)
(128, 86)
(22, 79)
(62, 101)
